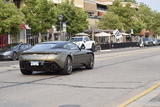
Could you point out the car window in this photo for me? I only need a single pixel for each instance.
(22, 47)
(86, 39)
(71, 46)
(45, 46)
(26, 46)
(15, 47)
(76, 39)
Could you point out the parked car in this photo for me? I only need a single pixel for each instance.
(60, 56)
(146, 42)
(13, 51)
(155, 41)
(84, 42)
(158, 41)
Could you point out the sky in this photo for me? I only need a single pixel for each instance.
(153, 4)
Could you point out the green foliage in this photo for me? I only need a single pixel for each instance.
(138, 25)
(146, 15)
(156, 23)
(131, 18)
(150, 18)
(10, 18)
(40, 15)
(75, 18)
(113, 21)
(126, 14)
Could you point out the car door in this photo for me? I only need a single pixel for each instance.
(20, 49)
(78, 55)
(87, 43)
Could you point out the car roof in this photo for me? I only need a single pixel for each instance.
(56, 42)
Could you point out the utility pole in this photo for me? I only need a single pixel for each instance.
(60, 26)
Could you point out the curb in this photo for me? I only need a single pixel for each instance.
(129, 101)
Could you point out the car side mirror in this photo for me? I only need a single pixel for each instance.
(80, 48)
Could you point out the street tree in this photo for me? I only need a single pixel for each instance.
(138, 25)
(126, 14)
(155, 27)
(110, 21)
(40, 15)
(10, 18)
(124, 18)
(75, 18)
(146, 15)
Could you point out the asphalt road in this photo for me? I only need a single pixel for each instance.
(117, 76)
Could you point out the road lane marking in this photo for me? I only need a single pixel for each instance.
(133, 99)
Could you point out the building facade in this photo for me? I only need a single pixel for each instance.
(77, 3)
(94, 8)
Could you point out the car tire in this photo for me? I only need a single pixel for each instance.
(67, 66)
(82, 46)
(90, 65)
(26, 72)
(14, 56)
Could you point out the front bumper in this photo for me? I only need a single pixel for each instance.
(42, 66)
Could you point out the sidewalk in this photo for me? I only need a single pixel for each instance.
(152, 99)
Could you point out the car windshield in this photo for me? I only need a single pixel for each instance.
(46, 46)
(76, 39)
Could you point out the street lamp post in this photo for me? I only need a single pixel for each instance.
(60, 27)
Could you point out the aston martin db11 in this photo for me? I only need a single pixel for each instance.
(61, 56)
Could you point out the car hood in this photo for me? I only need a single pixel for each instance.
(77, 41)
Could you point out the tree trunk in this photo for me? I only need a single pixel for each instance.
(39, 37)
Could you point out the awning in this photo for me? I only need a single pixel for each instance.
(82, 34)
(23, 26)
(126, 34)
(102, 34)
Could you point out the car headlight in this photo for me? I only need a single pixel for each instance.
(7, 53)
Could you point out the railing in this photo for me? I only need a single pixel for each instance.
(118, 45)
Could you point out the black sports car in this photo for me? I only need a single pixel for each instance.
(12, 51)
(53, 56)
